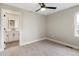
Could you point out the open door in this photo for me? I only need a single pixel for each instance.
(11, 28)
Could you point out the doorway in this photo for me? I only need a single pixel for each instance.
(11, 29)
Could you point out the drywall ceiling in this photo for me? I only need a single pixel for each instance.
(35, 6)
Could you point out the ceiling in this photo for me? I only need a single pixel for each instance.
(34, 6)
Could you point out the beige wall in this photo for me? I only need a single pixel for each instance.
(0, 28)
(32, 25)
(60, 26)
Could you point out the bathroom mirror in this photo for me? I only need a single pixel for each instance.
(11, 23)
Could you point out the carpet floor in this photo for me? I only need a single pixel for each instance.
(41, 48)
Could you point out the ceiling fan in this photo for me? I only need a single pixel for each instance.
(44, 7)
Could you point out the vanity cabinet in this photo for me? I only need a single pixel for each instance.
(12, 36)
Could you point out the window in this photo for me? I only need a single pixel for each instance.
(77, 25)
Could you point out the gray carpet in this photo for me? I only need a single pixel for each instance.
(41, 48)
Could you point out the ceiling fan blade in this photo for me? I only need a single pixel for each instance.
(42, 4)
(37, 10)
(51, 7)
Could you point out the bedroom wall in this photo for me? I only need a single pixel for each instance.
(0, 29)
(60, 26)
(32, 25)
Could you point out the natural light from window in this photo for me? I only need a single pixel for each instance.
(77, 25)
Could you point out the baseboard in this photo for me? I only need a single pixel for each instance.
(32, 41)
(60, 42)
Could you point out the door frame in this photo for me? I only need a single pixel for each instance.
(3, 12)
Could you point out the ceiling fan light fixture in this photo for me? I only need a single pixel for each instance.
(43, 9)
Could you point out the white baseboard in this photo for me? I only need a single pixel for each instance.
(63, 43)
(32, 41)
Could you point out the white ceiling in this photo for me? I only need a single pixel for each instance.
(35, 6)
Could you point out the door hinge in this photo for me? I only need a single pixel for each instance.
(4, 15)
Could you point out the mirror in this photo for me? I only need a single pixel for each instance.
(11, 23)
